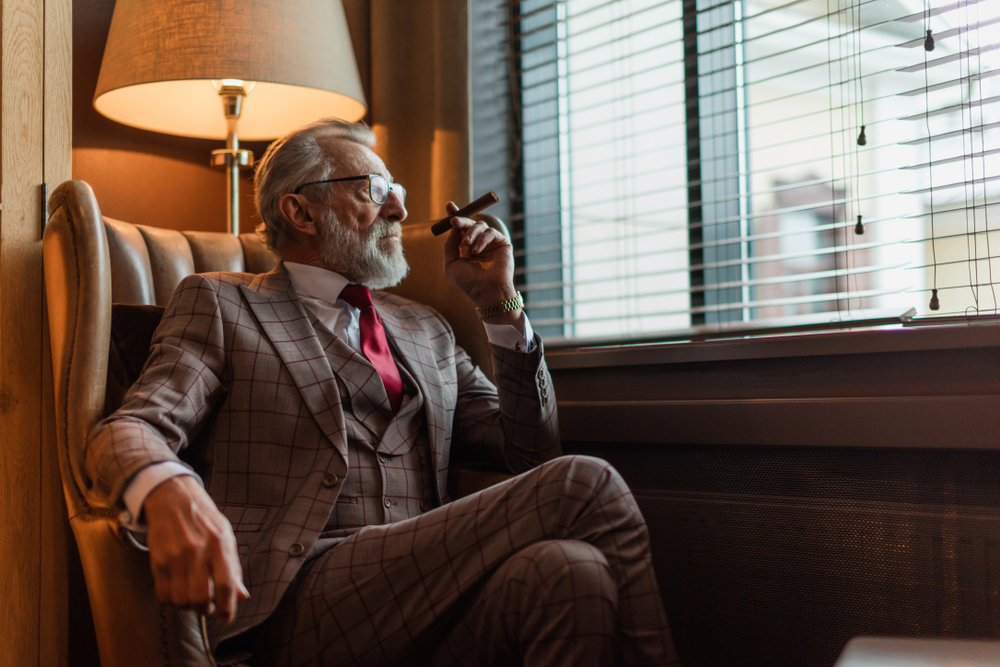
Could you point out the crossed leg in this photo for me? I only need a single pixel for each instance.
(551, 567)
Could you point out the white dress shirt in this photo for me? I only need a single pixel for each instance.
(319, 291)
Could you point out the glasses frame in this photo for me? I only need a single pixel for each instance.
(395, 188)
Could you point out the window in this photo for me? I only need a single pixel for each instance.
(729, 165)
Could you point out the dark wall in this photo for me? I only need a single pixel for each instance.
(776, 557)
(803, 491)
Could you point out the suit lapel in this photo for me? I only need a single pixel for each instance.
(284, 321)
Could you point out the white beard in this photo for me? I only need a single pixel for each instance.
(361, 260)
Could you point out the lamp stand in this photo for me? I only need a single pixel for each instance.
(231, 158)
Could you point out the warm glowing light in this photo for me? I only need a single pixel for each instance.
(190, 108)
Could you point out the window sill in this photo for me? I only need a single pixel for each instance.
(897, 338)
(912, 387)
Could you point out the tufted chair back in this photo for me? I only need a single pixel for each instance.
(93, 262)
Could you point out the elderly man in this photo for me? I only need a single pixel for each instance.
(321, 417)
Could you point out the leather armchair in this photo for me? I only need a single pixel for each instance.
(92, 262)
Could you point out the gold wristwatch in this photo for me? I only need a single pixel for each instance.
(506, 306)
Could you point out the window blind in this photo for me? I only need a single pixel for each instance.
(728, 165)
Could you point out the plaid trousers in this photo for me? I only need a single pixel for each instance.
(551, 567)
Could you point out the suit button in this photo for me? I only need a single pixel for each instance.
(541, 373)
(425, 505)
(541, 382)
(296, 549)
(545, 400)
(545, 392)
(329, 479)
(383, 458)
(387, 502)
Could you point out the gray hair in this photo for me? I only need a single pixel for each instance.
(292, 160)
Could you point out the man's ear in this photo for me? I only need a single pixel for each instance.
(297, 212)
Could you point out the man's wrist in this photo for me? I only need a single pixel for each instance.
(492, 297)
(143, 482)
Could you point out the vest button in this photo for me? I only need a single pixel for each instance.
(383, 458)
(329, 479)
(387, 502)
(425, 505)
(296, 549)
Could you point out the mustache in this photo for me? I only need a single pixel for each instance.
(384, 228)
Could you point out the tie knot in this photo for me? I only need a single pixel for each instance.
(358, 296)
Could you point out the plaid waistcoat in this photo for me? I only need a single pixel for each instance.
(389, 474)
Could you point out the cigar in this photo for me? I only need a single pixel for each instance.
(444, 224)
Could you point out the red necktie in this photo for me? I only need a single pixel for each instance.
(374, 344)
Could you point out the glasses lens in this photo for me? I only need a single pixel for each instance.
(400, 192)
(378, 188)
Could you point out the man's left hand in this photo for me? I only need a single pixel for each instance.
(480, 261)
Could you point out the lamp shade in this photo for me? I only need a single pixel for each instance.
(162, 57)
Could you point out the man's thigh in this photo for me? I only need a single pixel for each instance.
(389, 594)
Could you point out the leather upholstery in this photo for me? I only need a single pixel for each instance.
(90, 263)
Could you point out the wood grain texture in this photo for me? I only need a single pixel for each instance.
(21, 145)
(54, 533)
(931, 397)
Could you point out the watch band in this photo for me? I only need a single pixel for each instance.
(505, 306)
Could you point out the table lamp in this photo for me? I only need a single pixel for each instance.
(199, 68)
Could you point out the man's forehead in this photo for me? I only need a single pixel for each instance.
(352, 158)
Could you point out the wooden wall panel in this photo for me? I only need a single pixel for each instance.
(21, 144)
(54, 534)
(34, 146)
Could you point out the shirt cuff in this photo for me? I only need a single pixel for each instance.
(510, 337)
(142, 484)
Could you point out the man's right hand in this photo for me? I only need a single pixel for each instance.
(192, 550)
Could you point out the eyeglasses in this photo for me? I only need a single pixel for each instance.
(378, 187)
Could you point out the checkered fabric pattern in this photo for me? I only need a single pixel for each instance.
(552, 565)
(238, 380)
(389, 476)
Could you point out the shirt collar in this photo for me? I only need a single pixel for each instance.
(316, 282)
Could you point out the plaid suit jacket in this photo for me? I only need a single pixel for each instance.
(238, 385)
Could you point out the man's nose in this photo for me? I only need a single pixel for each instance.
(393, 209)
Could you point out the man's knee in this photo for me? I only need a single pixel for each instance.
(568, 571)
(586, 470)
(587, 476)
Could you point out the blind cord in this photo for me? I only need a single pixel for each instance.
(859, 228)
(833, 160)
(971, 243)
(935, 303)
(986, 200)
